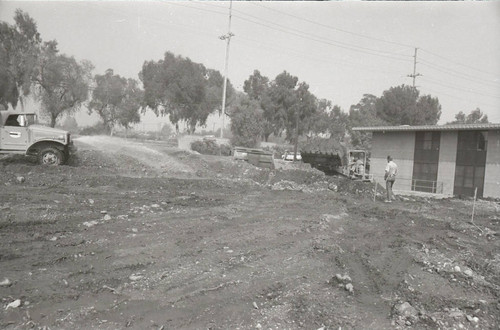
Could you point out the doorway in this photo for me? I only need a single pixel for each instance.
(471, 162)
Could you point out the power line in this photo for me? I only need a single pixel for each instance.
(368, 37)
(343, 44)
(331, 27)
(458, 74)
(457, 63)
(323, 41)
(445, 84)
(286, 29)
(369, 51)
(456, 97)
(290, 51)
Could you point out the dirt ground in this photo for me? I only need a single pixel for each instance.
(147, 236)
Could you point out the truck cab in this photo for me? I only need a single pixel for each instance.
(20, 134)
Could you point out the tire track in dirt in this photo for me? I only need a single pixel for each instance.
(160, 162)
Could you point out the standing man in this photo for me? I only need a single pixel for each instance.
(391, 170)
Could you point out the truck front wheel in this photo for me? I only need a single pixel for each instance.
(50, 156)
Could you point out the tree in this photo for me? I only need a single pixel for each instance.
(329, 120)
(62, 83)
(402, 105)
(182, 89)
(474, 117)
(319, 122)
(292, 105)
(364, 113)
(128, 110)
(19, 52)
(246, 122)
(116, 100)
(257, 88)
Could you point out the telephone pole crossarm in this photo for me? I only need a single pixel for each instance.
(415, 74)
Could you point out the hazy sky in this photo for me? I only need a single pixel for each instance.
(341, 49)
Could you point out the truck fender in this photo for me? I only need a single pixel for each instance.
(35, 148)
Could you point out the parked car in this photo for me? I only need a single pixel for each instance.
(288, 155)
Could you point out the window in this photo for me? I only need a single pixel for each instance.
(482, 141)
(12, 120)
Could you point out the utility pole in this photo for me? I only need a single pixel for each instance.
(415, 74)
(226, 37)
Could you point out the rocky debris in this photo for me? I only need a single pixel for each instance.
(405, 310)
(5, 283)
(135, 277)
(342, 281)
(434, 261)
(307, 188)
(472, 319)
(90, 223)
(343, 278)
(15, 304)
(287, 185)
(107, 217)
(404, 314)
(20, 179)
(333, 187)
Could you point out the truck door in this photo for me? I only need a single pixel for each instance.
(13, 136)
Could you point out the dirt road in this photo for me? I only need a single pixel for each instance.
(145, 236)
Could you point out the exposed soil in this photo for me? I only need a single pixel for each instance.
(147, 236)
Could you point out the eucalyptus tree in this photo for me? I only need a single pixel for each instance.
(62, 83)
(19, 52)
(182, 89)
(117, 100)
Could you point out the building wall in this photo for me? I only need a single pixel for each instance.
(492, 171)
(447, 161)
(399, 145)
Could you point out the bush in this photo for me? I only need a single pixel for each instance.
(226, 150)
(210, 147)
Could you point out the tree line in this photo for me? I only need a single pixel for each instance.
(189, 92)
(30, 67)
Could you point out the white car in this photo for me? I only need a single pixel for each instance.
(288, 155)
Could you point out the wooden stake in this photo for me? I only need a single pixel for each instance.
(375, 191)
(474, 205)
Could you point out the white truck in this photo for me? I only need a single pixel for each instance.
(19, 134)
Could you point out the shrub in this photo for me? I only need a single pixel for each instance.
(210, 147)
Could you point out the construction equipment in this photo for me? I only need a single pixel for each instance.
(256, 157)
(332, 157)
(358, 167)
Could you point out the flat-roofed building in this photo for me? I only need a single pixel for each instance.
(453, 159)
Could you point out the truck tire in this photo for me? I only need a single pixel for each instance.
(50, 156)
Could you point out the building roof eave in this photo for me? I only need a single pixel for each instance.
(450, 127)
